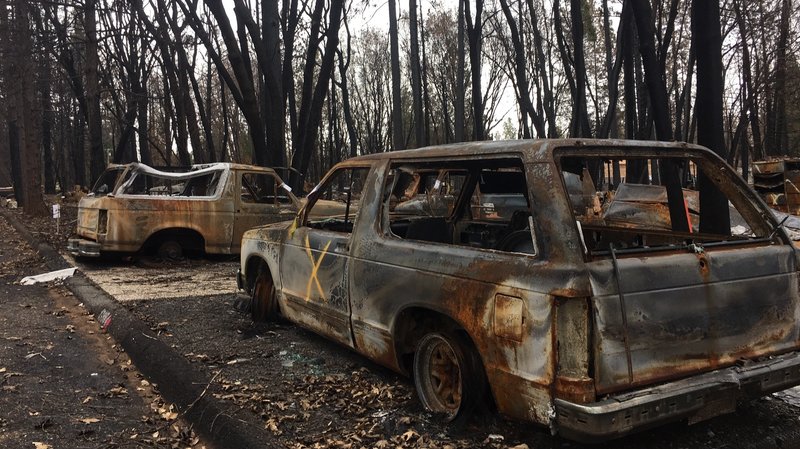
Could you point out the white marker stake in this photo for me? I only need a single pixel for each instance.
(57, 216)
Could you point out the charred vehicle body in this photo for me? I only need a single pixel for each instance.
(598, 300)
(134, 208)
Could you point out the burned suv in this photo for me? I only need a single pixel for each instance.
(597, 287)
(136, 208)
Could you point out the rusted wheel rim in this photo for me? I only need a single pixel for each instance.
(263, 294)
(440, 376)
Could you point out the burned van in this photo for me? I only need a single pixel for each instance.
(597, 287)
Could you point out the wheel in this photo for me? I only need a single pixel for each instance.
(170, 250)
(264, 302)
(448, 375)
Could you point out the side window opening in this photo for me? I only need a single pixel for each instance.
(625, 205)
(480, 204)
(204, 185)
(107, 181)
(263, 188)
(336, 202)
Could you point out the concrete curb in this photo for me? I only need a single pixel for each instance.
(178, 381)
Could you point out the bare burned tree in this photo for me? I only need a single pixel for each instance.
(242, 84)
(97, 157)
(416, 76)
(521, 74)
(398, 140)
(313, 95)
(715, 215)
(657, 92)
(22, 125)
(475, 39)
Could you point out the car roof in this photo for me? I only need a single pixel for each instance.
(535, 150)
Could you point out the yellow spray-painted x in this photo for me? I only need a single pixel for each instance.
(314, 269)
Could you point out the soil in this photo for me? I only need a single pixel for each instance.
(63, 382)
(311, 393)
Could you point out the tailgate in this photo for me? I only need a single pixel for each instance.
(88, 213)
(686, 313)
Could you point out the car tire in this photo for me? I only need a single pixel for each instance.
(170, 250)
(264, 302)
(448, 375)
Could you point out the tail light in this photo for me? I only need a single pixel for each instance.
(574, 360)
(102, 221)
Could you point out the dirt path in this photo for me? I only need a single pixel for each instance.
(128, 281)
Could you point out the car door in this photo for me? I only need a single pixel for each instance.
(316, 257)
(259, 200)
(424, 269)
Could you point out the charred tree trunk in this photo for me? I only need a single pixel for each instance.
(398, 142)
(416, 77)
(426, 97)
(714, 212)
(521, 76)
(778, 137)
(47, 124)
(289, 26)
(311, 108)
(475, 37)
(460, 76)
(24, 136)
(580, 121)
(548, 101)
(608, 127)
(566, 57)
(352, 136)
(145, 156)
(275, 117)
(751, 95)
(657, 91)
(96, 153)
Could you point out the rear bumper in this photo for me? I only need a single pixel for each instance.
(83, 248)
(696, 398)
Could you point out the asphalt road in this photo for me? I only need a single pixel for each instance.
(63, 382)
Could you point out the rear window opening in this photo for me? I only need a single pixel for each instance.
(659, 202)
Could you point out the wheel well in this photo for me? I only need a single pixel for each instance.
(412, 324)
(254, 265)
(189, 239)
